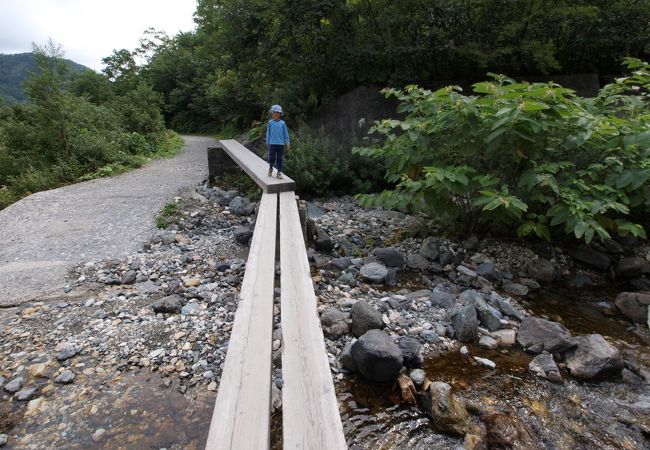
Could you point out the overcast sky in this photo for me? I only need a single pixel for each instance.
(88, 30)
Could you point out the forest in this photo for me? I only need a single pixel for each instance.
(532, 155)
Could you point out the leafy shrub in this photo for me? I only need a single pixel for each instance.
(531, 156)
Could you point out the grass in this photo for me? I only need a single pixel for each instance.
(170, 213)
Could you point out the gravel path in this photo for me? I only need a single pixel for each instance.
(47, 233)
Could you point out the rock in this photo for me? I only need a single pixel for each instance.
(448, 414)
(191, 309)
(389, 256)
(167, 237)
(485, 362)
(374, 272)
(340, 263)
(417, 376)
(441, 298)
(322, 240)
(14, 385)
(530, 283)
(168, 305)
(346, 359)
(429, 336)
(66, 377)
(446, 257)
(98, 435)
(505, 338)
(591, 257)
(465, 322)
(39, 370)
(543, 365)
(212, 386)
(487, 315)
(240, 206)
(334, 323)
(364, 318)
(377, 357)
(25, 394)
(505, 306)
(487, 270)
(129, 277)
(488, 342)
(243, 234)
(536, 335)
(412, 351)
(430, 249)
(640, 284)
(634, 305)
(632, 267)
(578, 281)
(417, 262)
(594, 357)
(506, 430)
(516, 289)
(466, 271)
(464, 350)
(3, 439)
(100, 314)
(541, 270)
(67, 351)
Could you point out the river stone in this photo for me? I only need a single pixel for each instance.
(488, 342)
(516, 289)
(485, 362)
(242, 234)
(412, 351)
(389, 256)
(578, 281)
(487, 270)
(441, 298)
(465, 322)
(2, 381)
(632, 267)
(14, 385)
(67, 351)
(430, 248)
(374, 272)
(506, 337)
(171, 304)
(417, 262)
(191, 309)
(418, 376)
(129, 277)
(541, 270)
(591, 257)
(334, 323)
(240, 206)
(448, 413)
(364, 318)
(487, 315)
(505, 306)
(66, 377)
(594, 357)
(3, 439)
(346, 359)
(322, 240)
(446, 257)
(536, 335)
(340, 263)
(377, 357)
(543, 365)
(25, 394)
(634, 305)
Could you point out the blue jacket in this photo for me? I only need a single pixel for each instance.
(277, 133)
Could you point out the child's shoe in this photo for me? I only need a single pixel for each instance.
(279, 176)
(270, 172)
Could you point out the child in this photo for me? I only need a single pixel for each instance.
(277, 136)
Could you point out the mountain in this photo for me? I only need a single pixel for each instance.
(15, 69)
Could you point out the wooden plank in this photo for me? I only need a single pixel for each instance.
(310, 414)
(241, 418)
(256, 167)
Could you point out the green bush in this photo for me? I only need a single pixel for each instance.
(534, 157)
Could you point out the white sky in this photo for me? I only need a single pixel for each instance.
(89, 30)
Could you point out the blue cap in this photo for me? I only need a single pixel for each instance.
(276, 108)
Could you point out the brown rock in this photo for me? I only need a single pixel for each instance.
(448, 413)
(505, 430)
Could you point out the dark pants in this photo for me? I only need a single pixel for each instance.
(275, 153)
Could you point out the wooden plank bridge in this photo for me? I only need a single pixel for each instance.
(242, 412)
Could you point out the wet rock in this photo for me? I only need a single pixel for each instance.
(374, 272)
(25, 394)
(578, 281)
(14, 385)
(465, 322)
(129, 277)
(516, 289)
(485, 362)
(334, 323)
(240, 206)
(346, 359)
(66, 377)
(364, 318)
(430, 249)
(243, 234)
(505, 430)
(593, 357)
(541, 270)
(591, 257)
(191, 309)
(441, 298)
(67, 351)
(417, 262)
(632, 267)
(171, 304)
(412, 351)
(389, 256)
(633, 305)
(448, 414)
(406, 389)
(543, 365)
(377, 357)
(536, 335)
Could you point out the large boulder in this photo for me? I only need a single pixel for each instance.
(364, 318)
(632, 267)
(374, 272)
(634, 305)
(377, 357)
(334, 323)
(389, 256)
(541, 270)
(465, 322)
(594, 357)
(537, 335)
(591, 257)
(448, 413)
